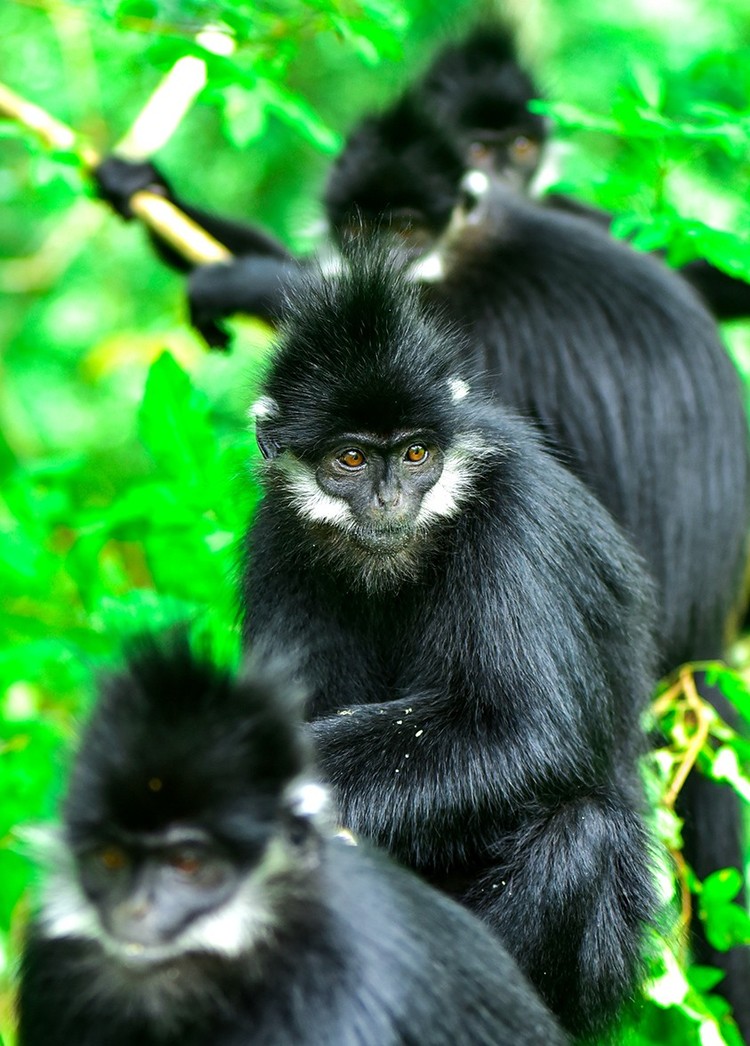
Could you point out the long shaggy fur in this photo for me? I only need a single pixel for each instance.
(479, 718)
(323, 944)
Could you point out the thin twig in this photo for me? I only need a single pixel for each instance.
(703, 724)
(686, 903)
(684, 688)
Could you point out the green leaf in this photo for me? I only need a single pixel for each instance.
(174, 425)
(244, 114)
(726, 924)
(705, 978)
(725, 766)
(298, 113)
(721, 887)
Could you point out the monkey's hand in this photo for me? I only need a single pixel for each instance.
(118, 180)
(256, 286)
(208, 303)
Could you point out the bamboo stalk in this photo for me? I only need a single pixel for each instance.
(159, 214)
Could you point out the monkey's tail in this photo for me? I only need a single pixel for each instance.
(714, 839)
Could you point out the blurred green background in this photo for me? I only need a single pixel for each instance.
(125, 460)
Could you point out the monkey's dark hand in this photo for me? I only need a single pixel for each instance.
(207, 303)
(118, 180)
(256, 286)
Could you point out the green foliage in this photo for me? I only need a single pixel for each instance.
(684, 155)
(125, 463)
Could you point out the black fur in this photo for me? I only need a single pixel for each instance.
(475, 705)
(476, 89)
(355, 952)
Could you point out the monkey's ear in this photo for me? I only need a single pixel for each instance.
(263, 412)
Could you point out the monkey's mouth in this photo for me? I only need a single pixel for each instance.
(383, 540)
(140, 958)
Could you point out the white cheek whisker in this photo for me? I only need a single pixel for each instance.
(310, 502)
(456, 483)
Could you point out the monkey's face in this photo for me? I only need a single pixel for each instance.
(151, 893)
(509, 154)
(381, 484)
(373, 507)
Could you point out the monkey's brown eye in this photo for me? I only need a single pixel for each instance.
(523, 149)
(186, 861)
(416, 454)
(479, 153)
(113, 858)
(352, 458)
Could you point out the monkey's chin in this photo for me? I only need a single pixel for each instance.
(384, 542)
(139, 958)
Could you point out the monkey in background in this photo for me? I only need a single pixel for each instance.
(477, 93)
(199, 897)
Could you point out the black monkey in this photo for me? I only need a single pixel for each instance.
(476, 634)
(478, 93)
(199, 898)
(609, 352)
(620, 366)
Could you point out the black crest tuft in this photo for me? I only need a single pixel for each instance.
(478, 83)
(158, 748)
(393, 162)
(361, 354)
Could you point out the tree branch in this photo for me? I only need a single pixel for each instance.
(173, 226)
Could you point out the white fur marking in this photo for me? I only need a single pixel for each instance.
(460, 389)
(265, 407)
(446, 497)
(310, 501)
(308, 798)
(330, 262)
(429, 269)
(475, 182)
(549, 170)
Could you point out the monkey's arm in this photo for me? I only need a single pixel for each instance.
(118, 180)
(256, 282)
(257, 286)
(411, 774)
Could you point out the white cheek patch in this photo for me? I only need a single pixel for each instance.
(310, 501)
(235, 929)
(66, 911)
(308, 799)
(429, 269)
(456, 481)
